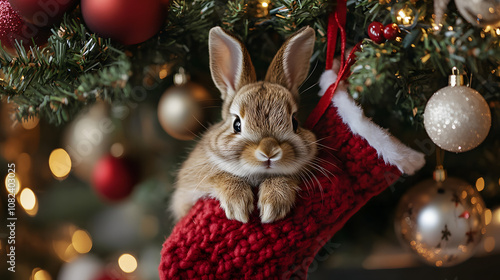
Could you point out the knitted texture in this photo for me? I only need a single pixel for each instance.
(206, 245)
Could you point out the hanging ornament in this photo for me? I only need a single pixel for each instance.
(480, 12)
(376, 32)
(441, 221)
(42, 13)
(13, 27)
(127, 21)
(391, 31)
(88, 138)
(456, 117)
(114, 178)
(181, 110)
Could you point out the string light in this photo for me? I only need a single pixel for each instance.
(81, 241)
(60, 163)
(487, 217)
(480, 184)
(28, 201)
(127, 263)
(489, 244)
(12, 183)
(40, 274)
(30, 123)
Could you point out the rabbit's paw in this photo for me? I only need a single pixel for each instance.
(237, 202)
(276, 198)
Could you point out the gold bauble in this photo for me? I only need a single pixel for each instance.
(480, 12)
(181, 110)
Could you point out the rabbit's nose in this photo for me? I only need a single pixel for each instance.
(268, 150)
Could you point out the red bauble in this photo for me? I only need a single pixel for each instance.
(391, 31)
(114, 178)
(376, 32)
(42, 12)
(126, 21)
(13, 27)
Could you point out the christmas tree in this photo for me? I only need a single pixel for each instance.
(102, 103)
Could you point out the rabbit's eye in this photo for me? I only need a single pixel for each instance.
(237, 125)
(295, 123)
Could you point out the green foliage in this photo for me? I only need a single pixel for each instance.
(410, 71)
(56, 81)
(76, 67)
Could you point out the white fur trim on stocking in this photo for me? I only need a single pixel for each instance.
(390, 149)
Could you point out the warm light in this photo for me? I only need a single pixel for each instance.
(81, 241)
(487, 216)
(264, 4)
(127, 263)
(439, 263)
(163, 72)
(40, 274)
(30, 123)
(489, 244)
(473, 200)
(497, 31)
(63, 245)
(117, 150)
(12, 183)
(403, 18)
(480, 184)
(60, 163)
(496, 215)
(28, 199)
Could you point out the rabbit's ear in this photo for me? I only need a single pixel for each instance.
(290, 66)
(230, 63)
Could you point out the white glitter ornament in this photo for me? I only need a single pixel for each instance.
(456, 117)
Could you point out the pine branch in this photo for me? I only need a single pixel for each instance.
(403, 75)
(73, 70)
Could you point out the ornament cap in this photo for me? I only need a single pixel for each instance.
(439, 174)
(181, 78)
(455, 79)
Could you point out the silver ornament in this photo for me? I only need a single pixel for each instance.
(457, 118)
(442, 222)
(181, 110)
(480, 12)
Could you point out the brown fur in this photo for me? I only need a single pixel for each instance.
(267, 153)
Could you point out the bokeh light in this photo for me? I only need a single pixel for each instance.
(127, 263)
(117, 149)
(30, 123)
(480, 184)
(487, 216)
(40, 274)
(12, 183)
(60, 163)
(81, 241)
(28, 199)
(489, 243)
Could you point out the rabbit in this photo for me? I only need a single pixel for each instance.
(258, 143)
